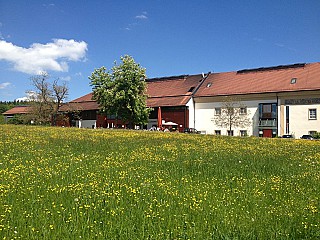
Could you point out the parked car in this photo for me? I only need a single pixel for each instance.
(287, 136)
(307, 137)
(191, 130)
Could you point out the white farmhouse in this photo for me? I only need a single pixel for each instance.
(278, 100)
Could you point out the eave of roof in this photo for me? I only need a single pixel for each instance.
(168, 101)
(18, 110)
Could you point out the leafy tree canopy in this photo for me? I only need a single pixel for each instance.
(121, 91)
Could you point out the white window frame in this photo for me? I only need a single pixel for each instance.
(312, 112)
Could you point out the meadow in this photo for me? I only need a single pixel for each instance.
(67, 183)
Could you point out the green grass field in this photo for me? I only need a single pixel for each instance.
(63, 183)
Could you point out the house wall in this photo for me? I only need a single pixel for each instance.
(7, 118)
(101, 121)
(299, 104)
(191, 109)
(205, 113)
(299, 122)
(86, 123)
(178, 115)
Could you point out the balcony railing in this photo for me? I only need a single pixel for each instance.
(268, 123)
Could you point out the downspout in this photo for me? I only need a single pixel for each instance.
(185, 118)
(204, 77)
(194, 112)
(278, 128)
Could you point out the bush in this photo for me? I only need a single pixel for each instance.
(316, 135)
(17, 119)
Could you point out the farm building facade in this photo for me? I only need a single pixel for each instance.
(16, 110)
(278, 100)
(169, 97)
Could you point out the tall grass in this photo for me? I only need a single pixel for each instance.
(63, 183)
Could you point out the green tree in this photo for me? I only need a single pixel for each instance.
(121, 91)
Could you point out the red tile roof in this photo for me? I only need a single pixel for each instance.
(168, 101)
(85, 98)
(177, 90)
(166, 91)
(171, 91)
(262, 80)
(80, 104)
(17, 110)
(172, 86)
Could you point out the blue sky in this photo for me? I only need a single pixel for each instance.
(69, 39)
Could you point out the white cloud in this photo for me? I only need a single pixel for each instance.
(142, 16)
(31, 95)
(4, 85)
(38, 57)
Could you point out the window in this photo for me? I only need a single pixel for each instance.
(230, 133)
(217, 111)
(209, 84)
(266, 108)
(243, 133)
(217, 132)
(313, 114)
(243, 110)
(287, 119)
(191, 89)
(293, 80)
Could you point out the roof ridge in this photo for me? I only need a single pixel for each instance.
(166, 78)
(279, 67)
